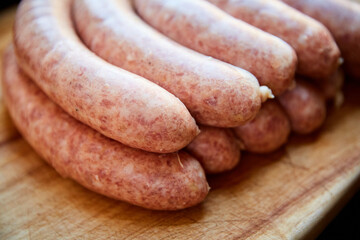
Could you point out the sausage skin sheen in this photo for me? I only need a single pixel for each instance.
(305, 107)
(203, 27)
(216, 149)
(215, 93)
(150, 180)
(318, 55)
(116, 103)
(268, 131)
(342, 18)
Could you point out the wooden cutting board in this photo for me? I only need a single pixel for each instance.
(290, 194)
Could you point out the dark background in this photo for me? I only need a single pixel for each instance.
(346, 225)
(7, 3)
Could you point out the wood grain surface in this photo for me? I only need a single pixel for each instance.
(290, 194)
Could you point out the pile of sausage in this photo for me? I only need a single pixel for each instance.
(139, 99)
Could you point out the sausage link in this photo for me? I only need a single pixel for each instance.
(305, 106)
(150, 180)
(216, 149)
(331, 87)
(215, 93)
(268, 131)
(203, 27)
(117, 103)
(342, 18)
(317, 52)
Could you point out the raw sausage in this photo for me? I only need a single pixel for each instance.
(317, 52)
(268, 131)
(156, 181)
(305, 107)
(331, 87)
(117, 103)
(216, 149)
(342, 18)
(215, 93)
(205, 28)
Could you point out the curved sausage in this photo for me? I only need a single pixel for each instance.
(216, 149)
(342, 18)
(215, 93)
(205, 28)
(305, 107)
(118, 104)
(150, 180)
(268, 131)
(317, 52)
